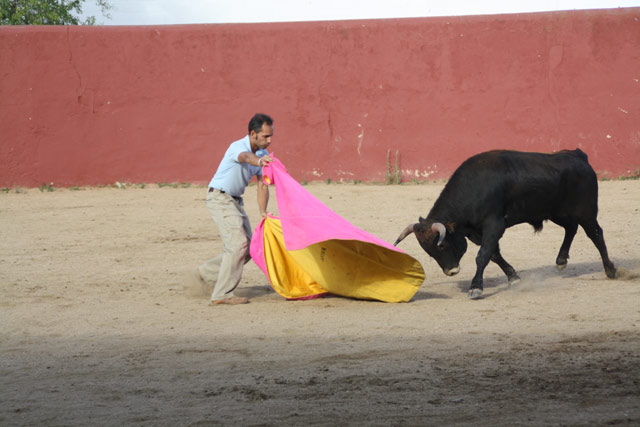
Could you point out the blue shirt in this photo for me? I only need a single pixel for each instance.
(232, 177)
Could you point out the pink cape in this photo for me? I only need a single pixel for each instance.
(306, 221)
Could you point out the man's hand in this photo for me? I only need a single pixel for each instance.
(265, 160)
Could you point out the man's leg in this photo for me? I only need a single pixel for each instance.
(210, 268)
(229, 214)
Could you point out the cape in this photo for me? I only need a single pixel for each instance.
(310, 251)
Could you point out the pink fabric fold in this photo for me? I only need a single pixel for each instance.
(305, 219)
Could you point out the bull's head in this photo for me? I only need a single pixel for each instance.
(441, 242)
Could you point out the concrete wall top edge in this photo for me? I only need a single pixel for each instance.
(343, 23)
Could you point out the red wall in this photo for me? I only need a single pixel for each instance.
(96, 105)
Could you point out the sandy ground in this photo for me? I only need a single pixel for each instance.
(99, 326)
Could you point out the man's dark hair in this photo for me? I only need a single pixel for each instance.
(258, 120)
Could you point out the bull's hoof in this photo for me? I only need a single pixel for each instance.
(474, 293)
(561, 262)
(611, 273)
(514, 280)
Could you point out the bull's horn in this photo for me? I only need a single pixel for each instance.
(442, 231)
(408, 230)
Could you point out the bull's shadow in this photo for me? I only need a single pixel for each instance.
(549, 274)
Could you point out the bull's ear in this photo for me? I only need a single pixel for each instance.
(450, 227)
(421, 220)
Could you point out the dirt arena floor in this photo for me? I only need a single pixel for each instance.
(100, 326)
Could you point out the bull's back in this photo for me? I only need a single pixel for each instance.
(526, 187)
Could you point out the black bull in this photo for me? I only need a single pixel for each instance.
(493, 191)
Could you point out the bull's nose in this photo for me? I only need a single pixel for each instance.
(452, 271)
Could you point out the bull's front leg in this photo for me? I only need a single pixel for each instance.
(491, 234)
(511, 273)
(482, 259)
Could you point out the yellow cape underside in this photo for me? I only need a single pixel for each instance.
(350, 268)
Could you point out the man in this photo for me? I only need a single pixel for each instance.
(242, 160)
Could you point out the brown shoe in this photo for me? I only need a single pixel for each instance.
(231, 300)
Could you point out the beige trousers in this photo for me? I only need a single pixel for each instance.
(225, 270)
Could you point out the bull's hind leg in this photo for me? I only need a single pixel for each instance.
(505, 266)
(570, 228)
(594, 231)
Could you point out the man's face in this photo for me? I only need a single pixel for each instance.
(262, 139)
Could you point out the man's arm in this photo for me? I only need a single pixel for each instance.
(263, 196)
(252, 159)
(263, 189)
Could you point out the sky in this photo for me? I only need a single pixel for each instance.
(167, 12)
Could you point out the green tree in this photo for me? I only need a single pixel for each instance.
(47, 12)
